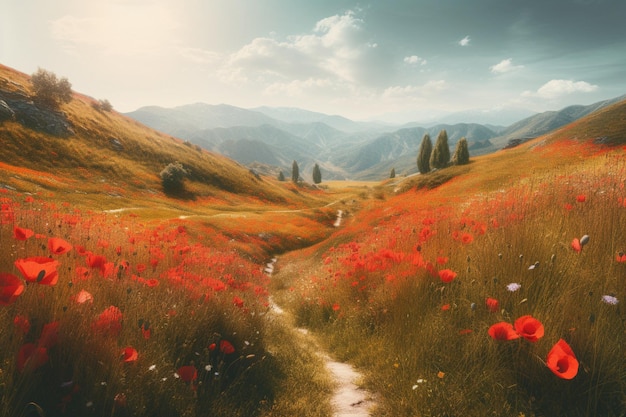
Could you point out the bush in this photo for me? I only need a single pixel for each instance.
(102, 105)
(49, 90)
(172, 177)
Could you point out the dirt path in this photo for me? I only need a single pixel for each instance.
(349, 399)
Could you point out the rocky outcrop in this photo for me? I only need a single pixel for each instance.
(18, 107)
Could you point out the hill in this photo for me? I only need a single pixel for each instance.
(87, 151)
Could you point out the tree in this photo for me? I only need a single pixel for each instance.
(392, 174)
(423, 158)
(461, 153)
(317, 174)
(295, 172)
(281, 176)
(49, 90)
(172, 177)
(441, 152)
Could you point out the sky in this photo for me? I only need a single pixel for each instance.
(394, 60)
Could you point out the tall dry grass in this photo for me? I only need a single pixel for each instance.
(380, 301)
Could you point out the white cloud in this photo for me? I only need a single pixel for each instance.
(414, 60)
(337, 49)
(465, 41)
(557, 88)
(199, 56)
(506, 65)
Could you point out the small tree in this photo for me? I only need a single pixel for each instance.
(49, 90)
(423, 158)
(441, 152)
(281, 176)
(295, 172)
(392, 174)
(461, 153)
(172, 177)
(317, 174)
(102, 105)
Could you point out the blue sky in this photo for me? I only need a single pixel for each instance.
(397, 59)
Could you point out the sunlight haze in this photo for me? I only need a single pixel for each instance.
(397, 60)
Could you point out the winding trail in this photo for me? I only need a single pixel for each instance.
(349, 399)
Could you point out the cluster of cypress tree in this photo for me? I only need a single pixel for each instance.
(430, 158)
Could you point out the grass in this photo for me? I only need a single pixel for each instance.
(377, 299)
(178, 278)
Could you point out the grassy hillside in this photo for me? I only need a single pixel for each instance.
(414, 289)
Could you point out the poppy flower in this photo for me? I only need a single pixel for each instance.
(31, 357)
(187, 373)
(445, 307)
(58, 246)
(581, 198)
(503, 331)
(447, 275)
(129, 354)
(226, 347)
(11, 287)
(620, 257)
(22, 324)
(529, 328)
(562, 361)
(492, 304)
(20, 233)
(82, 297)
(109, 322)
(237, 301)
(152, 282)
(49, 335)
(96, 261)
(467, 238)
(39, 269)
(336, 307)
(576, 245)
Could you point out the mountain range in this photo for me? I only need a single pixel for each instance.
(271, 138)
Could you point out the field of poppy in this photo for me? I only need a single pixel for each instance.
(490, 301)
(490, 289)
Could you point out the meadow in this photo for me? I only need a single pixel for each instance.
(494, 288)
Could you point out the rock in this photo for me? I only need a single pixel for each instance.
(5, 112)
(37, 118)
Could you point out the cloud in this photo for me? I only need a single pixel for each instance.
(414, 60)
(506, 65)
(558, 88)
(337, 49)
(199, 56)
(465, 41)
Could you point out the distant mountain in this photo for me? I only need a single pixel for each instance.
(343, 148)
(546, 122)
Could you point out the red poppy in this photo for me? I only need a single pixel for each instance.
(562, 361)
(503, 331)
(109, 322)
(212, 347)
(529, 328)
(442, 260)
(581, 198)
(49, 335)
(58, 246)
(187, 373)
(129, 354)
(20, 233)
(447, 275)
(620, 257)
(237, 301)
(82, 273)
(492, 305)
(467, 238)
(96, 261)
(336, 307)
(82, 297)
(465, 331)
(576, 245)
(39, 269)
(226, 347)
(146, 331)
(31, 357)
(22, 324)
(11, 287)
(445, 307)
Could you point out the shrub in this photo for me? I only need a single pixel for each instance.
(49, 90)
(281, 176)
(392, 174)
(172, 177)
(102, 105)
(295, 172)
